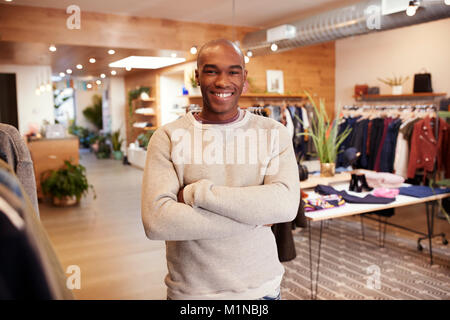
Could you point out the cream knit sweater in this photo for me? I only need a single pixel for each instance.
(237, 178)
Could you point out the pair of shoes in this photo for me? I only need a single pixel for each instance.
(359, 183)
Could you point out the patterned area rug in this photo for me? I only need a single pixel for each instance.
(354, 269)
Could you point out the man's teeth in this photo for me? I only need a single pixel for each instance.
(223, 95)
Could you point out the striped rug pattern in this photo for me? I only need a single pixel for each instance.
(353, 269)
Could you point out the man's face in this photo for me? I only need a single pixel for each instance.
(221, 74)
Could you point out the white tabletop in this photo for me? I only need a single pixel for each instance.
(350, 209)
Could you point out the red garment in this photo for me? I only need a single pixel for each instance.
(425, 148)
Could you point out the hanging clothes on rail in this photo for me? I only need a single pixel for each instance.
(29, 265)
(14, 151)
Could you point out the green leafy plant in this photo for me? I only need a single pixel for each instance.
(116, 140)
(324, 132)
(144, 138)
(93, 113)
(134, 94)
(194, 83)
(68, 181)
(104, 147)
(395, 81)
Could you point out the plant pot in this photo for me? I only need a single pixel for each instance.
(195, 91)
(327, 169)
(118, 155)
(66, 201)
(397, 89)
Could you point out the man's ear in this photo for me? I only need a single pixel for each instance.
(196, 77)
(245, 74)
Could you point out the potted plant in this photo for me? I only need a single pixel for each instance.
(103, 147)
(66, 185)
(396, 83)
(324, 134)
(194, 84)
(116, 145)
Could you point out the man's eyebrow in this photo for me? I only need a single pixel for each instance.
(236, 67)
(209, 66)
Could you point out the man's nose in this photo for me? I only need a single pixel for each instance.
(222, 80)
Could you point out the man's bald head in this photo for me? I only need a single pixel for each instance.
(216, 44)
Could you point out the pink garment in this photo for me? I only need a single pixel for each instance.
(382, 179)
(386, 193)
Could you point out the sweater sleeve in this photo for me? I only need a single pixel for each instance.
(275, 201)
(164, 218)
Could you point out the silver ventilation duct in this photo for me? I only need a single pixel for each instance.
(361, 18)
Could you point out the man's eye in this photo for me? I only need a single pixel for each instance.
(210, 71)
(234, 72)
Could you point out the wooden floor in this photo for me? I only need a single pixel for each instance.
(105, 237)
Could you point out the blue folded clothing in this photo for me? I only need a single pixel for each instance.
(422, 191)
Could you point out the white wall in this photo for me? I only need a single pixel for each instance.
(117, 104)
(171, 91)
(31, 108)
(404, 51)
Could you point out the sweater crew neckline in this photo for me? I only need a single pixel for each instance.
(235, 124)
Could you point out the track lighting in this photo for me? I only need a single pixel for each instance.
(412, 8)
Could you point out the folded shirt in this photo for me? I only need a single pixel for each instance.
(369, 199)
(323, 202)
(383, 179)
(385, 192)
(422, 191)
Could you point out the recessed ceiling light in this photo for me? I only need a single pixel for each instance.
(274, 47)
(247, 59)
(62, 74)
(69, 71)
(139, 62)
(79, 66)
(194, 50)
(111, 51)
(89, 86)
(128, 68)
(52, 48)
(98, 82)
(92, 60)
(249, 53)
(103, 76)
(113, 72)
(8, 0)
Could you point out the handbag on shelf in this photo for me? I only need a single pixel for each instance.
(361, 89)
(422, 82)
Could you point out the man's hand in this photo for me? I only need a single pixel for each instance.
(180, 195)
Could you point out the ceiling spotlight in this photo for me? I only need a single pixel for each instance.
(103, 76)
(69, 71)
(249, 53)
(79, 66)
(62, 74)
(111, 51)
(173, 55)
(274, 47)
(194, 50)
(113, 72)
(52, 48)
(128, 68)
(98, 82)
(89, 86)
(8, 0)
(247, 59)
(92, 60)
(412, 8)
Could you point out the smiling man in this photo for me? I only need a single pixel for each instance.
(207, 197)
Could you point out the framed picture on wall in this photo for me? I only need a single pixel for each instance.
(275, 81)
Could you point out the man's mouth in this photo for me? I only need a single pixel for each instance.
(222, 95)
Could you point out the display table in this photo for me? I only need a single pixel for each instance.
(351, 209)
(50, 154)
(136, 156)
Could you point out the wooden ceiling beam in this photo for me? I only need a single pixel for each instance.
(48, 25)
